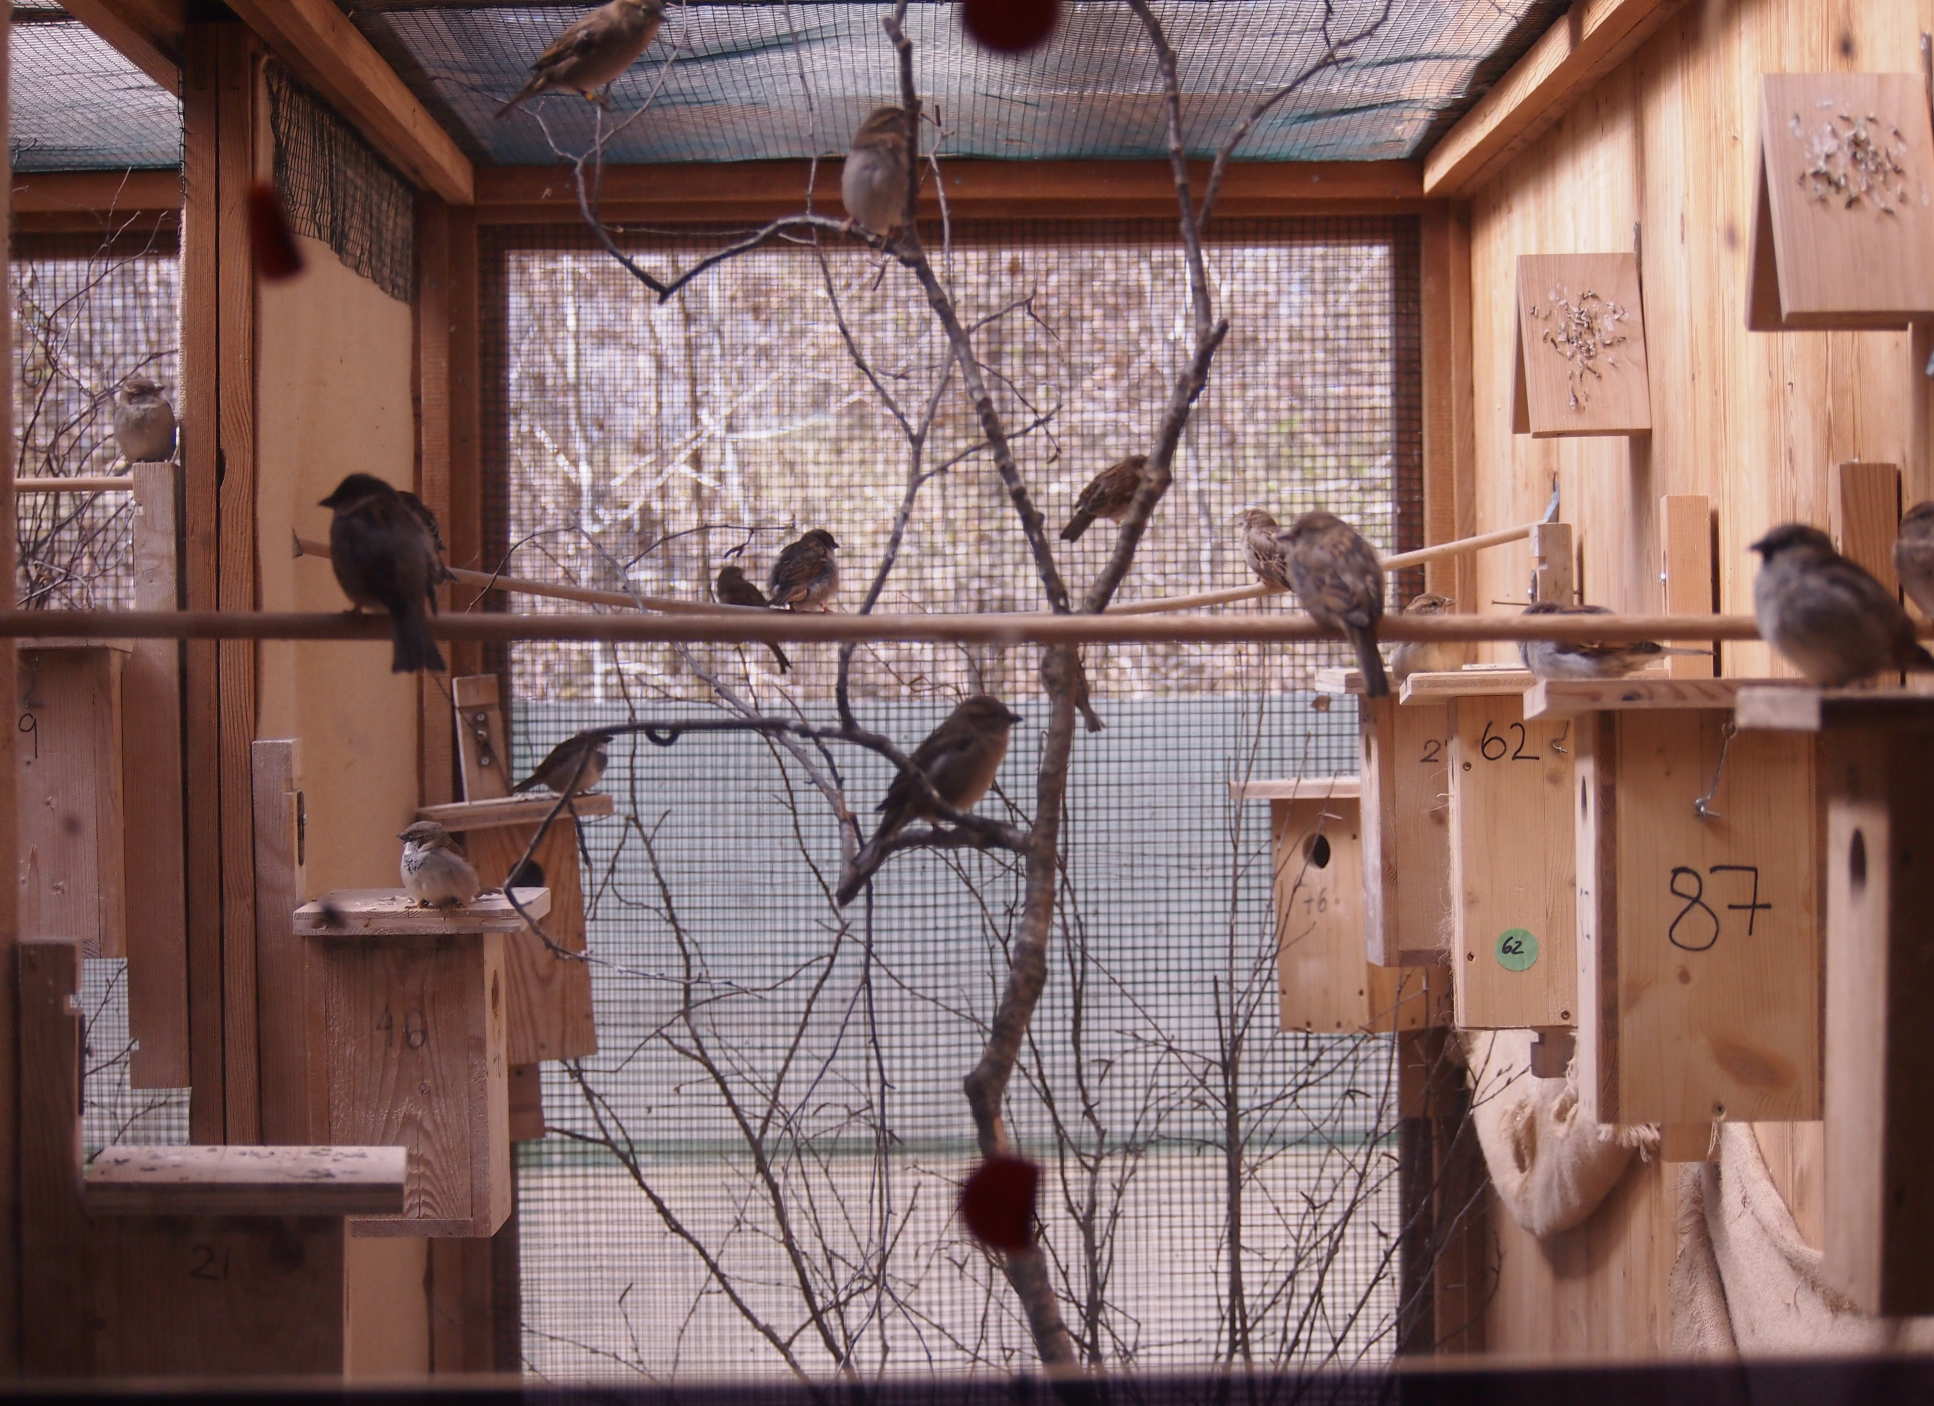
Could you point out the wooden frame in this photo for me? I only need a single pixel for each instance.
(1581, 347)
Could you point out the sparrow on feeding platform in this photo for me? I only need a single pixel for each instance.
(1339, 582)
(733, 589)
(1575, 659)
(1429, 656)
(805, 574)
(144, 422)
(435, 873)
(959, 758)
(383, 556)
(1914, 555)
(873, 182)
(427, 517)
(1262, 550)
(577, 762)
(593, 50)
(1107, 495)
(1827, 615)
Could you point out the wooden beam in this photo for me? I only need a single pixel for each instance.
(147, 33)
(692, 192)
(95, 192)
(1594, 37)
(318, 42)
(1450, 426)
(246, 1181)
(430, 378)
(10, 986)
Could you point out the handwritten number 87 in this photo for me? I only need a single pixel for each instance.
(1696, 927)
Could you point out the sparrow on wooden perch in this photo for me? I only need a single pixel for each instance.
(592, 51)
(873, 183)
(1107, 495)
(1262, 549)
(1576, 659)
(1827, 615)
(144, 422)
(1914, 556)
(575, 764)
(383, 556)
(959, 758)
(733, 589)
(1429, 656)
(435, 873)
(1339, 582)
(805, 574)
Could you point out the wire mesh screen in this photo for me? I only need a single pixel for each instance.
(88, 314)
(758, 1171)
(76, 105)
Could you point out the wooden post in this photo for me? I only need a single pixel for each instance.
(1554, 572)
(1688, 584)
(1863, 516)
(294, 1090)
(1406, 830)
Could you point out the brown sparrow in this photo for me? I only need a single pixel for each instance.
(873, 183)
(1430, 656)
(805, 574)
(1339, 582)
(435, 873)
(144, 422)
(1262, 550)
(733, 589)
(383, 557)
(1573, 659)
(1914, 555)
(1827, 615)
(593, 50)
(577, 762)
(1107, 495)
(959, 757)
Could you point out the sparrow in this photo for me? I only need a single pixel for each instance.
(427, 517)
(577, 762)
(1827, 615)
(959, 757)
(1914, 555)
(435, 873)
(593, 50)
(1572, 659)
(383, 557)
(1339, 582)
(805, 574)
(1430, 656)
(1107, 495)
(733, 589)
(1262, 550)
(144, 422)
(873, 182)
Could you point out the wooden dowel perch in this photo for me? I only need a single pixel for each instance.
(47, 484)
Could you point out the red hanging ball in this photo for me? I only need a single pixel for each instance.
(997, 1202)
(277, 255)
(1009, 26)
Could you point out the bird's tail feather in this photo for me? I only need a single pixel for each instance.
(1077, 525)
(1370, 664)
(414, 649)
(785, 664)
(525, 93)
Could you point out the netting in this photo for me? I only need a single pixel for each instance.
(75, 104)
(735, 82)
(87, 314)
(335, 188)
(758, 1170)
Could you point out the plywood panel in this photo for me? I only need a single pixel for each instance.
(1406, 838)
(548, 992)
(1581, 339)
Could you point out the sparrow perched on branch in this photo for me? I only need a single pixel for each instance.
(1914, 555)
(592, 50)
(435, 873)
(1339, 582)
(733, 589)
(1107, 495)
(873, 182)
(577, 762)
(805, 574)
(1429, 656)
(1827, 615)
(1262, 550)
(1574, 659)
(144, 422)
(383, 556)
(959, 757)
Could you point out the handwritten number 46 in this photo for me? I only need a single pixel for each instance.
(1697, 926)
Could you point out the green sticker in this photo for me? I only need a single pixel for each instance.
(1516, 950)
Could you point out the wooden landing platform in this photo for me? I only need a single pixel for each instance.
(393, 913)
(246, 1181)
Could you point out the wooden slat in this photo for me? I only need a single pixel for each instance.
(147, 33)
(1593, 38)
(1450, 446)
(1554, 562)
(1688, 582)
(156, 865)
(526, 1102)
(294, 1091)
(463, 524)
(52, 1225)
(10, 1004)
(1478, 682)
(1863, 516)
(1293, 788)
(91, 194)
(359, 914)
(547, 1003)
(483, 757)
(1797, 707)
(318, 42)
(512, 810)
(1653, 690)
(246, 1181)
(436, 757)
(1405, 760)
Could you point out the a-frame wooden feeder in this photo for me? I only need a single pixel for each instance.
(1843, 217)
(1581, 347)
(1324, 984)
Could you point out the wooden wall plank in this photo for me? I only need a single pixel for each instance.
(463, 526)
(53, 1226)
(10, 1088)
(1687, 584)
(1863, 516)
(1449, 447)
(436, 759)
(293, 1090)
